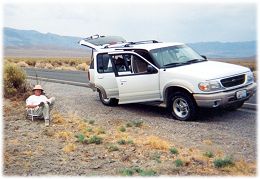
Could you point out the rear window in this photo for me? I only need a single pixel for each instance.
(104, 64)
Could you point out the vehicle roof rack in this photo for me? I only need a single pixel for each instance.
(140, 42)
(128, 44)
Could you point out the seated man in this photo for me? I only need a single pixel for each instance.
(40, 104)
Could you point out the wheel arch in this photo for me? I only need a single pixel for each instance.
(172, 89)
(102, 90)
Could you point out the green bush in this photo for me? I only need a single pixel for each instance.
(173, 150)
(157, 157)
(148, 172)
(129, 124)
(208, 154)
(91, 122)
(220, 163)
(14, 80)
(138, 170)
(121, 142)
(122, 129)
(80, 138)
(112, 148)
(95, 140)
(127, 172)
(178, 163)
(89, 129)
(138, 123)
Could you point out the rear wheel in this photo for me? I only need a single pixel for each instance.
(107, 101)
(182, 106)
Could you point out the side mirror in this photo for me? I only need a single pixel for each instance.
(203, 56)
(151, 69)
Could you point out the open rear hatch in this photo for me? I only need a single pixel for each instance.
(97, 42)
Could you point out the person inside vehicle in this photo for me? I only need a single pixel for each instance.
(120, 64)
(38, 104)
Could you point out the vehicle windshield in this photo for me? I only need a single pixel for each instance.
(175, 56)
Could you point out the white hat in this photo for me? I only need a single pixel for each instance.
(37, 87)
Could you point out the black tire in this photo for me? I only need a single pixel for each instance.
(182, 106)
(107, 101)
(235, 106)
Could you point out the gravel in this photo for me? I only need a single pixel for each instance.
(232, 133)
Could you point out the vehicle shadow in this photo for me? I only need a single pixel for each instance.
(205, 115)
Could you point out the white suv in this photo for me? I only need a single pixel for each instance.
(169, 73)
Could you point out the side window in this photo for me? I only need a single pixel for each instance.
(129, 64)
(104, 64)
(139, 65)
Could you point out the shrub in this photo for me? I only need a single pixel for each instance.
(127, 172)
(156, 157)
(89, 129)
(129, 124)
(149, 172)
(130, 142)
(178, 163)
(220, 163)
(80, 138)
(122, 129)
(112, 148)
(138, 123)
(22, 64)
(141, 172)
(121, 142)
(100, 131)
(91, 122)
(95, 139)
(14, 80)
(173, 150)
(208, 154)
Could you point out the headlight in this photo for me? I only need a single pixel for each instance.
(209, 86)
(250, 77)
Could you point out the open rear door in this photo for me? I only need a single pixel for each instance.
(97, 42)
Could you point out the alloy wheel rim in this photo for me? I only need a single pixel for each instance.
(181, 107)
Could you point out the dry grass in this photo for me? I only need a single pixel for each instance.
(69, 148)
(250, 63)
(157, 143)
(51, 63)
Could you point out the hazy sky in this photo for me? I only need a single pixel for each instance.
(184, 22)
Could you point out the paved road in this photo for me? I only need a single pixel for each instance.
(77, 76)
(74, 76)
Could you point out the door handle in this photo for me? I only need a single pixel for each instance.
(123, 81)
(100, 77)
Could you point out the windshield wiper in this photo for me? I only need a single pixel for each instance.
(196, 60)
(173, 64)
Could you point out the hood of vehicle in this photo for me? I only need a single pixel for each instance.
(208, 70)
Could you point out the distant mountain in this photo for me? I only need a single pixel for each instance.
(33, 43)
(14, 38)
(225, 49)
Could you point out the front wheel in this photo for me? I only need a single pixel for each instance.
(182, 106)
(107, 101)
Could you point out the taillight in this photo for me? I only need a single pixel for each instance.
(88, 76)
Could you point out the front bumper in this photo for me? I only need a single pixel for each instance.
(225, 98)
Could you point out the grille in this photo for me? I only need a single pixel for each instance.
(233, 81)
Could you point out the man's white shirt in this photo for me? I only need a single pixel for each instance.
(36, 100)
